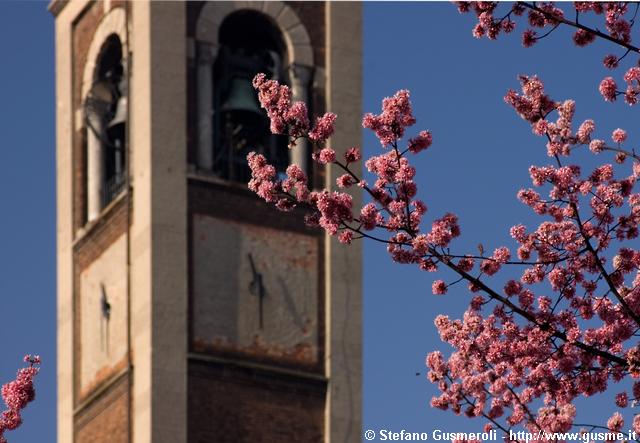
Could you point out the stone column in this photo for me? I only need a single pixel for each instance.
(95, 170)
(205, 58)
(343, 266)
(300, 76)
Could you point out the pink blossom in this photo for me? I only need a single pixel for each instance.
(583, 38)
(296, 173)
(478, 31)
(312, 219)
(636, 423)
(352, 155)
(489, 267)
(443, 230)
(396, 116)
(610, 61)
(345, 237)
(420, 245)
(439, 287)
(369, 216)
(533, 103)
(512, 287)
(622, 400)
(325, 155)
(501, 255)
(298, 119)
(466, 264)
(597, 146)
(285, 204)
(324, 127)
(262, 177)
(421, 142)
(536, 19)
(608, 89)
(17, 394)
(633, 74)
(518, 232)
(540, 127)
(344, 181)
(529, 38)
(508, 26)
(335, 209)
(275, 99)
(585, 131)
(619, 135)
(631, 95)
(616, 422)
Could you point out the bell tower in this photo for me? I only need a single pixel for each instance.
(188, 309)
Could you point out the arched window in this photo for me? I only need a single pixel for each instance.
(249, 43)
(105, 110)
(234, 34)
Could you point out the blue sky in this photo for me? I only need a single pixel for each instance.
(27, 193)
(479, 160)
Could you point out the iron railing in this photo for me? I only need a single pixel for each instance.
(112, 187)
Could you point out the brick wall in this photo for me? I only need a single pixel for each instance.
(230, 404)
(106, 418)
(83, 30)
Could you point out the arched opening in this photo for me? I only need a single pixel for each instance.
(105, 109)
(249, 43)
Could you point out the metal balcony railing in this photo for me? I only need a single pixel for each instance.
(112, 187)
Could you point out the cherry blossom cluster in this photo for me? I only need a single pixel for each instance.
(545, 17)
(287, 117)
(525, 363)
(393, 192)
(537, 108)
(529, 346)
(610, 92)
(17, 394)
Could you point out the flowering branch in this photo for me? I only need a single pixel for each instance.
(543, 15)
(17, 394)
(526, 351)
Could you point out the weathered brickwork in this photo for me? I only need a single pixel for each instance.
(83, 30)
(230, 404)
(79, 179)
(235, 201)
(106, 418)
(240, 205)
(103, 232)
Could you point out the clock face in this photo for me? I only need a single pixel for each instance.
(101, 304)
(255, 291)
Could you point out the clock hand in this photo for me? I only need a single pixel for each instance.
(105, 308)
(257, 288)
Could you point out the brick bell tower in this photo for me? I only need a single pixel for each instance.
(189, 310)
